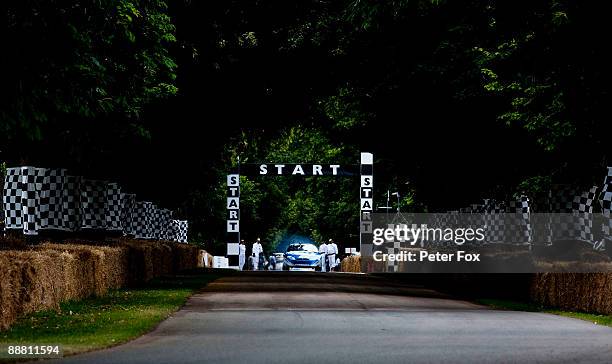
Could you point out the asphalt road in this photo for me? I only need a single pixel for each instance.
(280, 317)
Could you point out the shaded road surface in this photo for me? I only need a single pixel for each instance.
(289, 317)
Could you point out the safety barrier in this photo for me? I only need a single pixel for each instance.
(49, 199)
(564, 213)
(570, 209)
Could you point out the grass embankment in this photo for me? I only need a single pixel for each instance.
(530, 307)
(100, 322)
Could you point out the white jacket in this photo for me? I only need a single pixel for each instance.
(257, 248)
(333, 248)
(323, 248)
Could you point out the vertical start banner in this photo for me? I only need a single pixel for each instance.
(366, 203)
(233, 219)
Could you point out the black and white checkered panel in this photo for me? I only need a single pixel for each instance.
(149, 220)
(478, 208)
(181, 230)
(173, 230)
(477, 219)
(572, 213)
(605, 201)
(583, 211)
(164, 216)
(494, 221)
(154, 223)
(11, 199)
(517, 221)
(128, 207)
(93, 204)
(30, 199)
(145, 220)
(472, 217)
(583, 202)
(152, 228)
(71, 203)
(394, 266)
(444, 221)
(51, 187)
(561, 199)
(437, 221)
(2, 217)
(113, 207)
(454, 222)
(139, 220)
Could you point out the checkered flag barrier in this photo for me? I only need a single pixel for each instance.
(128, 207)
(93, 204)
(472, 217)
(2, 215)
(21, 199)
(494, 221)
(152, 221)
(173, 230)
(37, 199)
(518, 226)
(164, 217)
(393, 266)
(30, 199)
(161, 224)
(51, 194)
(605, 201)
(142, 219)
(572, 213)
(438, 221)
(71, 203)
(180, 227)
(507, 222)
(113, 207)
(11, 199)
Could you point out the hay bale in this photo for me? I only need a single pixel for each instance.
(42, 277)
(351, 264)
(587, 292)
(104, 267)
(12, 241)
(31, 281)
(153, 259)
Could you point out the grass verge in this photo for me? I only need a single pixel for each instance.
(100, 322)
(522, 306)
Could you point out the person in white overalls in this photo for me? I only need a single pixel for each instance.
(323, 248)
(332, 250)
(257, 249)
(241, 255)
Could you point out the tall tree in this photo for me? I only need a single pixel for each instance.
(71, 66)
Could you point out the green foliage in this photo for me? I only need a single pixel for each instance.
(273, 207)
(534, 186)
(100, 322)
(345, 109)
(83, 60)
(407, 201)
(536, 67)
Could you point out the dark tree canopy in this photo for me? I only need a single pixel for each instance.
(458, 100)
